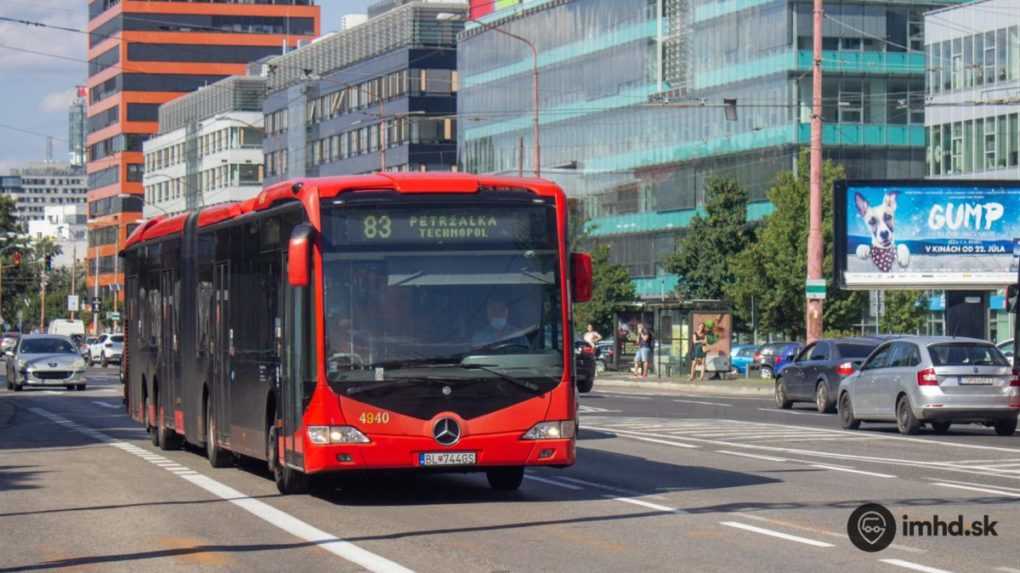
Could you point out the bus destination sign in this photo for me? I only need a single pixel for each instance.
(444, 225)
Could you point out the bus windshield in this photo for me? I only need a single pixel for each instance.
(415, 294)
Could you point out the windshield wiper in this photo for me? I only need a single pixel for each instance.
(393, 383)
(491, 369)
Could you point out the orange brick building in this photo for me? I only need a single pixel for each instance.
(142, 54)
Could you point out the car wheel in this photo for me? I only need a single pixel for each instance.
(585, 385)
(765, 372)
(218, 457)
(941, 427)
(822, 401)
(505, 479)
(1006, 427)
(846, 413)
(906, 422)
(782, 400)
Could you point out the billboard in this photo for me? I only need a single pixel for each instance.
(926, 234)
(718, 332)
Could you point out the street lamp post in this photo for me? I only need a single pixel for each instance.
(537, 149)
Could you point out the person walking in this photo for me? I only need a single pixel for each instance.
(698, 353)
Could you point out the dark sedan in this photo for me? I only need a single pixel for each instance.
(815, 374)
(584, 366)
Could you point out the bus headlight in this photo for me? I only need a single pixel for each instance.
(551, 431)
(336, 435)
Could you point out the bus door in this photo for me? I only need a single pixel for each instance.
(298, 364)
(223, 349)
(167, 365)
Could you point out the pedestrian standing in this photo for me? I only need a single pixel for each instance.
(698, 353)
(592, 337)
(643, 359)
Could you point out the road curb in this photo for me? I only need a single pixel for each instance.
(694, 388)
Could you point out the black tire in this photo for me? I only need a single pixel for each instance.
(823, 403)
(169, 439)
(782, 398)
(218, 457)
(846, 413)
(585, 386)
(505, 479)
(289, 481)
(941, 428)
(1006, 427)
(906, 422)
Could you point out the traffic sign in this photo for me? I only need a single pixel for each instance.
(72, 303)
(114, 316)
(815, 289)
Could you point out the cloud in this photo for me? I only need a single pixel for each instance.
(57, 101)
(61, 47)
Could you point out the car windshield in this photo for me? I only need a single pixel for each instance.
(855, 350)
(411, 287)
(966, 354)
(117, 338)
(47, 346)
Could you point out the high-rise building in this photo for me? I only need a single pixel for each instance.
(380, 95)
(972, 112)
(36, 186)
(634, 94)
(76, 130)
(143, 54)
(209, 148)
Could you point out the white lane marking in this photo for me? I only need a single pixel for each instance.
(105, 405)
(585, 409)
(646, 504)
(794, 412)
(754, 456)
(643, 439)
(833, 534)
(776, 534)
(608, 487)
(625, 396)
(703, 403)
(974, 484)
(852, 471)
(288, 523)
(53, 392)
(979, 489)
(912, 566)
(555, 483)
(1007, 570)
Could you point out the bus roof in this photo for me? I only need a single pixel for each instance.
(411, 183)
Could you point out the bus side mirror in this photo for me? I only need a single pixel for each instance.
(581, 277)
(299, 256)
(1011, 295)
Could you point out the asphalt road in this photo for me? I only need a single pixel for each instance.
(664, 482)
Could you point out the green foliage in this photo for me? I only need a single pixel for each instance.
(773, 268)
(905, 312)
(704, 256)
(612, 289)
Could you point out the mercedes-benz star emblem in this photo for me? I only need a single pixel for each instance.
(446, 432)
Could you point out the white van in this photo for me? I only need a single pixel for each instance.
(66, 327)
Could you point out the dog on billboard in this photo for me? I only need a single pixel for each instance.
(881, 221)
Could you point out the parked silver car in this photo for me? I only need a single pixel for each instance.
(45, 360)
(936, 380)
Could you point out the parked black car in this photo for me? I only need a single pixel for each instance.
(815, 374)
(584, 361)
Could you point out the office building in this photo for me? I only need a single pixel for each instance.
(36, 186)
(208, 149)
(76, 130)
(972, 113)
(381, 95)
(351, 20)
(633, 103)
(66, 226)
(144, 54)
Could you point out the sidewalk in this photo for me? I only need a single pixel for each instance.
(739, 386)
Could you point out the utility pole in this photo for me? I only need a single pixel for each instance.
(42, 302)
(95, 299)
(116, 284)
(815, 300)
(74, 271)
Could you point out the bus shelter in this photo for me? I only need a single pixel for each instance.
(673, 324)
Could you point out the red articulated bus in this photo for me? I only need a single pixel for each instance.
(361, 323)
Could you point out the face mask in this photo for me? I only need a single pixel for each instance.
(498, 323)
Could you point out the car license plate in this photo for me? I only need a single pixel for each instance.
(977, 381)
(447, 459)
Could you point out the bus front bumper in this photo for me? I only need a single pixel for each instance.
(407, 452)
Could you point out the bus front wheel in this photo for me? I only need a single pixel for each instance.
(289, 481)
(505, 479)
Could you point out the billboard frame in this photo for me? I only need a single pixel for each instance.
(839, 225)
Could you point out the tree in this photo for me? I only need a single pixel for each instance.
(612, 289)
(905, 312)
(704, 256)
(773, 268)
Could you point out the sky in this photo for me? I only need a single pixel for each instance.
(36, 89)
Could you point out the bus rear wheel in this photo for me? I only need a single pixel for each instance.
(218, 457)
(289, 481)
(505, 479)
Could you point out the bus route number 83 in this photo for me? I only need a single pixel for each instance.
(377, 227)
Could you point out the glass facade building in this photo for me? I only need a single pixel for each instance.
(632, 103)
(973, 109)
